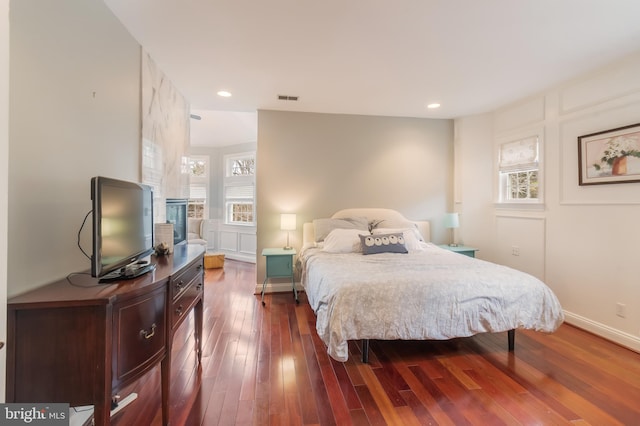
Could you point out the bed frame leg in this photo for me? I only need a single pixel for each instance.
(511, 335)
(365, 351)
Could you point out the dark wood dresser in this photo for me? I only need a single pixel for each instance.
(79, 342)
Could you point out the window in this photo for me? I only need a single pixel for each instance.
(239, 189)
(241, 167)
(198, 187)
(518, 165)
(522, 185)
(239, 202)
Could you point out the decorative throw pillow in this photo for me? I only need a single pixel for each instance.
(383, 243)
(411, 240)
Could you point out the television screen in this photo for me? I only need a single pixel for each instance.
(122, 228)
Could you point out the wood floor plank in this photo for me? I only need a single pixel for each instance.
(379, 395)
(325, 413)
(346, 385)
(522, 406)
(451, 364)
(420, 411)
(595, 385)
(330, 383)
(372, 411)
(267, 365)
(407, 416)
(568, 402)
(301, 387)
(423, 395)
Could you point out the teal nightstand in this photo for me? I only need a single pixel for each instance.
(467, 251)
(279, 265)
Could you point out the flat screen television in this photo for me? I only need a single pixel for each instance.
(122, 229)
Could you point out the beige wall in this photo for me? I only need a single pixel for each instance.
(315, 164)
(584, 241)
(74, 113)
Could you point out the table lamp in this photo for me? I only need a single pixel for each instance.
(288, 223)
(452, 221)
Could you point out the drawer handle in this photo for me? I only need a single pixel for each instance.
(199, 286)
(179, 310)
(148, 335)
(179, 285)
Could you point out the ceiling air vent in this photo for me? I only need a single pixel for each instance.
(287, 98)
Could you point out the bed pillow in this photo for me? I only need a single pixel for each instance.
(405, 225)
(343, 241)
(411, 240)
(322, 227)
(383, 243)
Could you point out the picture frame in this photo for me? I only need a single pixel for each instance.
(609, 157)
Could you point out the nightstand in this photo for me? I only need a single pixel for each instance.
(467, 251)
(279, 265)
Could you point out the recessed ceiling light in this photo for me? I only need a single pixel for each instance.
(433, 106)
(224, 94)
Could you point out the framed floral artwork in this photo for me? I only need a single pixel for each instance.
(611, 156)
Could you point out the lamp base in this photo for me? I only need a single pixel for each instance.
(287, 248)
(453, 245)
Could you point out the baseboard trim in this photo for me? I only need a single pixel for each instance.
(249, 258)
(620, 337)
(277, 288)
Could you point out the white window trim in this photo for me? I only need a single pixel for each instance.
(526, 204)
(231, 181)
(202, 181)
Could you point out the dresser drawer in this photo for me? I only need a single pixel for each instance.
(180, 281)
(181, 306)
(139, 337)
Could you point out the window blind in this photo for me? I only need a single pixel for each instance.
(239, 192)
(519, 155)
(197, 192)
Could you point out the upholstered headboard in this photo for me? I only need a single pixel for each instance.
(389, 219)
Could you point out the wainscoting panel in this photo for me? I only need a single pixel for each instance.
(570, 130)
(228, 241)
(238, 243)
(247, 243)
(614, 82)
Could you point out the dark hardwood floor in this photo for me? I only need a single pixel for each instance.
(266, 365)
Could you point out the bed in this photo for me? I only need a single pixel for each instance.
(372, 274)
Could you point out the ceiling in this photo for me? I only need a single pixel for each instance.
(376, 57)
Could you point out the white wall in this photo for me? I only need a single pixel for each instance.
(315, 164)
(584, 242)
(74, 114)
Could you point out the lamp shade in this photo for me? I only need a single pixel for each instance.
(288, 221)
(451, 220)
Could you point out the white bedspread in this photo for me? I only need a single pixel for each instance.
(431, 294)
